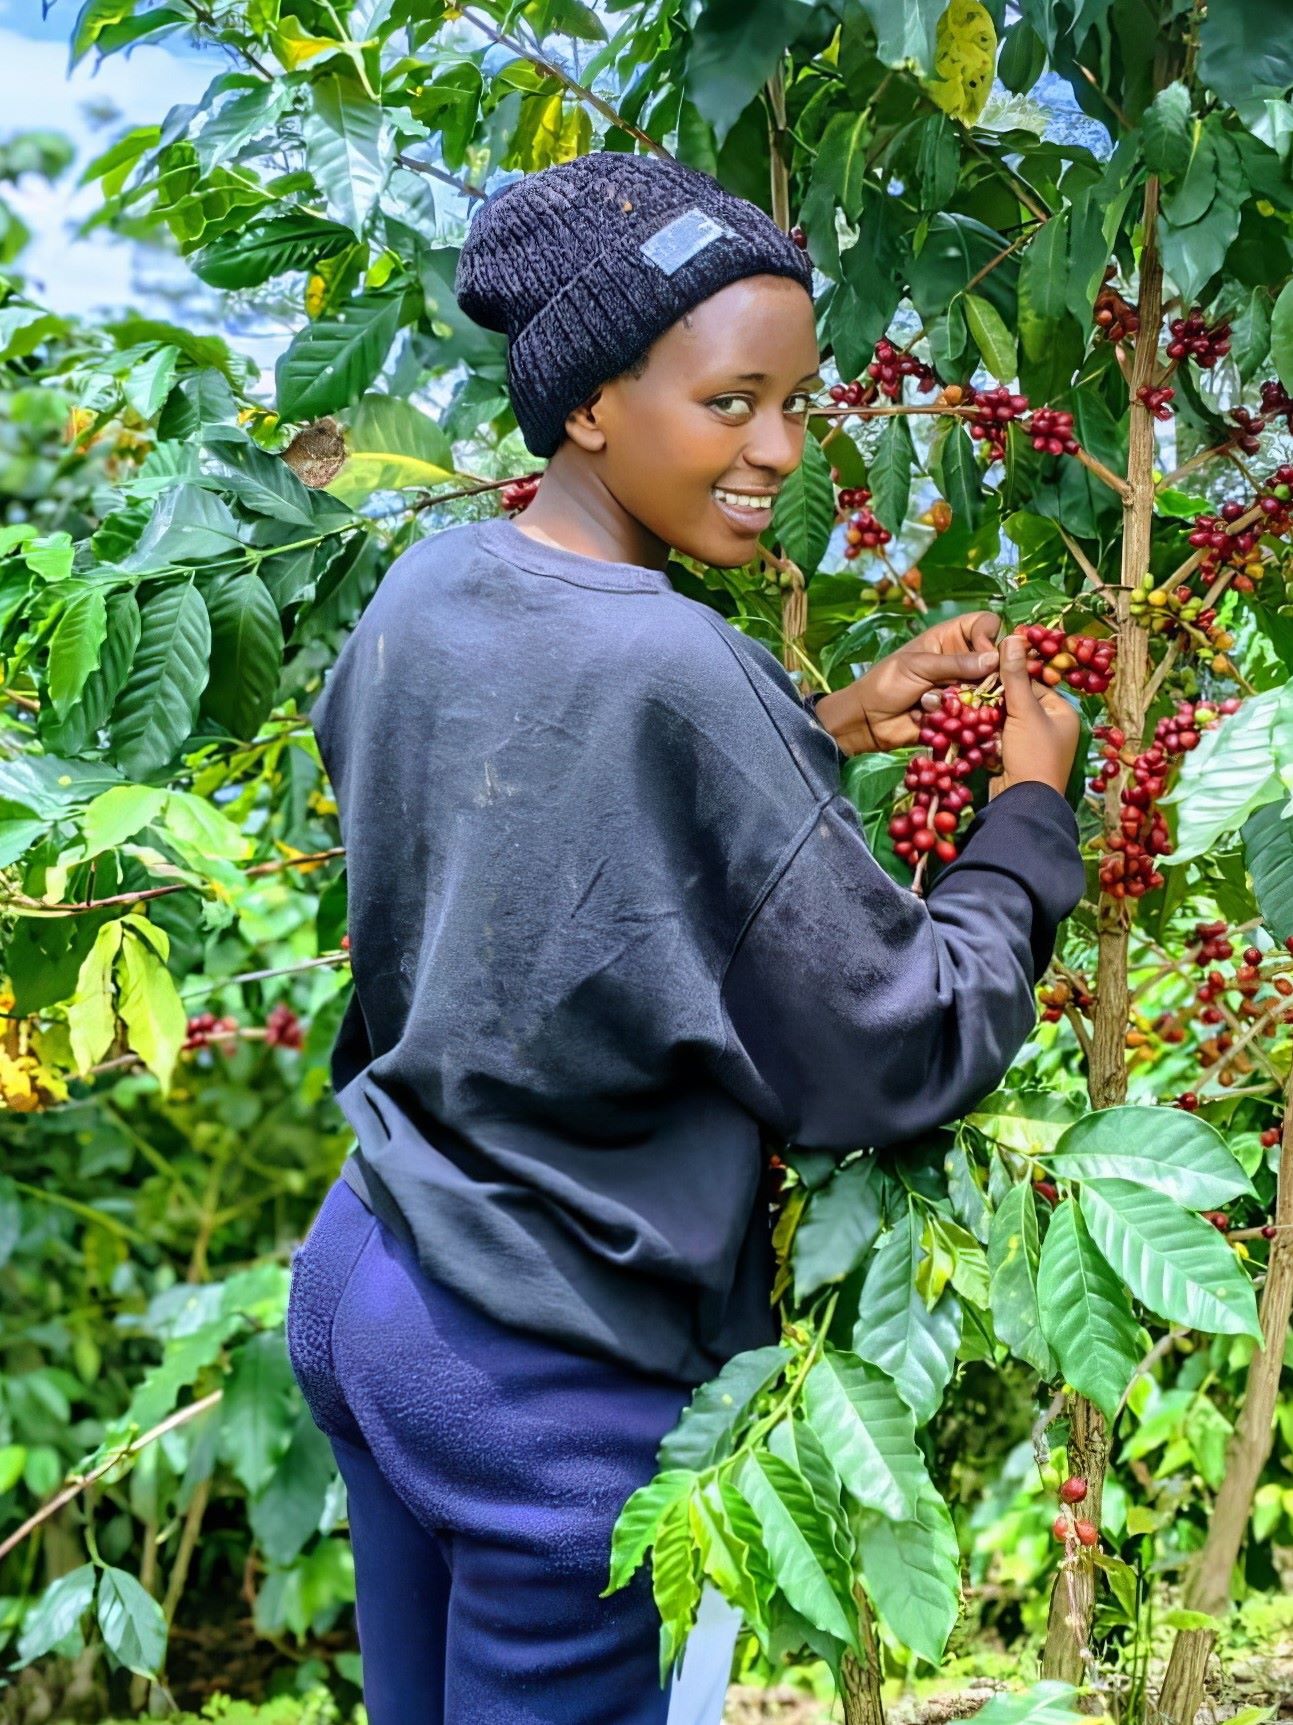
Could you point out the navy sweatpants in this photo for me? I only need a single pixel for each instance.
(484, 1472)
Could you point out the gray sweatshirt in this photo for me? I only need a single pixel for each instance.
(616, 933)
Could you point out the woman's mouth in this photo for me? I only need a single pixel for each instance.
(748, 511)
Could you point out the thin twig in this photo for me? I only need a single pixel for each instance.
(76, 1486)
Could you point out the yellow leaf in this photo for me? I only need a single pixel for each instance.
(965, 57)
(91, 1020)
(316, 295)
(154, 1015)
(294, 47)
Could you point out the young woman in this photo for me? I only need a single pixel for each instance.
(615, 932)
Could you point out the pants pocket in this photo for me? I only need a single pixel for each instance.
(319, 1270)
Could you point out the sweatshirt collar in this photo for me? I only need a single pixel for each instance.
(501, 535)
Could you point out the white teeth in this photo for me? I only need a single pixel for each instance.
(741, 500)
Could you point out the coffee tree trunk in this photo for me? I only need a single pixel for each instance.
(1068, 1631)
(1207, 1582)
(860, 1678)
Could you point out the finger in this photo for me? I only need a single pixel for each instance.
(931, 700)
(1016, 684)
(951, 667)
(982, 628)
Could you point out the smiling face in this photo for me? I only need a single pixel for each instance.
(696, 445)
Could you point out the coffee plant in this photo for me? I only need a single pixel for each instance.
(1061, 378)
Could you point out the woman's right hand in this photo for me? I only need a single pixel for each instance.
(1040, 735)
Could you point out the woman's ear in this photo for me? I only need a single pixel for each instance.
(583, 426)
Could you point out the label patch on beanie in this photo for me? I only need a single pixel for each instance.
(671, 246)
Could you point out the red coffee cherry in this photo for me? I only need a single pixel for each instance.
(1074, 1489)
(1088, 1533)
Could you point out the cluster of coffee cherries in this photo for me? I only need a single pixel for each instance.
(1114, 316)
(1051, 431)
(1210, 947)
(204, 1027)
(1057, 996)
(1222, 546)
(1277, 402)
(1068, 1526)
(1084, 662)
(1247, 435)
(862, 531)
(891, 365)
(798, 235)
(1193, 337)
(283, 1027)
(962, 733)
(1128, 870)
(1181, 609)
(993, 410)
(518, 494)
(1155, 401)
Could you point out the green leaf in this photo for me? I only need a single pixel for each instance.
(1029, 1121)
(105, 681)
(1165, 1149)
(956, 473)
(118, 814)
(1231, 773)
(1282, 335)
(1086, 1316)
(891, 467)
(639, 1520)
(896, 1331)
(56, 1614)
(157, 706)
(146, 385)
(246, 653)
(1165, 131)
(255, 1416)
(350, 148)
(1023, 58)
(1047, 1703)
(1174, 1263)
(246, 257)
(131, 1622)
(913, 1573)
(868, 1431)
(905, 31)
(802, 1557)
(805, 509)
(150, 1005)
(992, 337)
(703, 1434)
(839, 1227)
(91, 1012)
(675, 1585)
(187, 525)
(330, 363)
(263, 483)
(289, 1509)
(1268, 854)
(736, 46)
(724, 1555)
(1014, 1253)
(1245, 50)
(391, 446)
(74, 646)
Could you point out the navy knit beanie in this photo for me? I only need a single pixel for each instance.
(585, 263)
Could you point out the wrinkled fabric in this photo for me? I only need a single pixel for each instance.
(615, 932)
(484, 1471)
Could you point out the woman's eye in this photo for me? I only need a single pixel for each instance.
(803, 401)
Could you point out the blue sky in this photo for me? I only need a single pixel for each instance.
(94, 273)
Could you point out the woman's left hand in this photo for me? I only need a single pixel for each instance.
(885, 707)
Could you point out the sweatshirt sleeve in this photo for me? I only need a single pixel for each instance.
(857, 1014)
